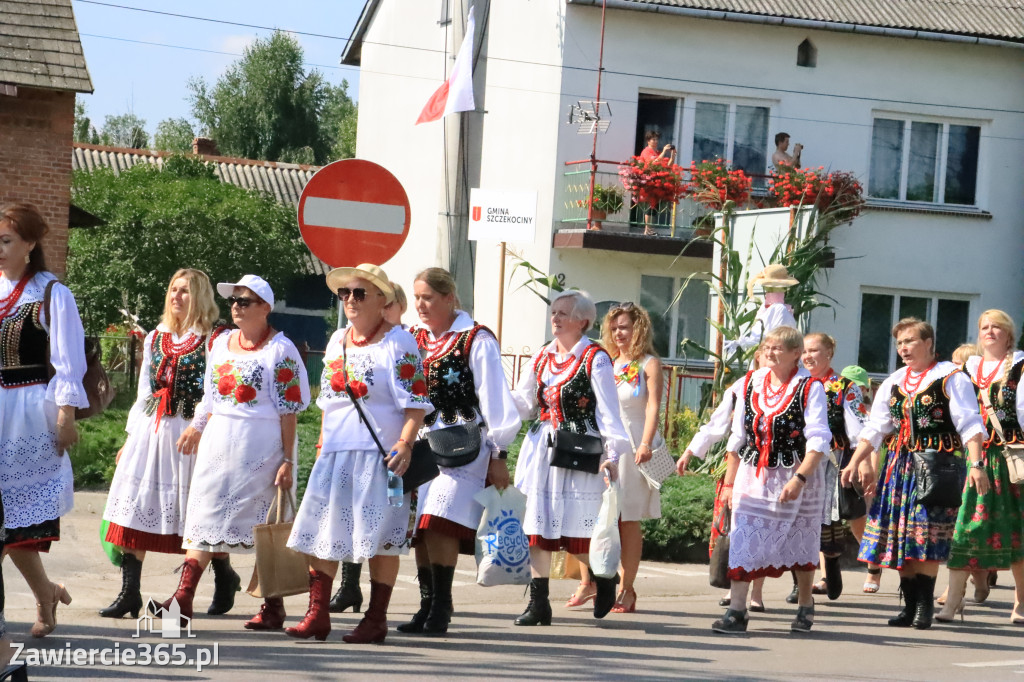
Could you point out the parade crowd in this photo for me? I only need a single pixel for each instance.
(923, 469)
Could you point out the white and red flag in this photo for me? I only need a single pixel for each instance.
(456, 93)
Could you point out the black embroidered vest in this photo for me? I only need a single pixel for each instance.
(450, 379)
(788, 443)
(23, 345)
(933, 425)
(836, 397)
(182, 376)
(574, 407)
(1004, 402)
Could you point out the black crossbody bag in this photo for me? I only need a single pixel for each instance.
(453, 446)
(579, 452)
(422, 466)
(939, 476)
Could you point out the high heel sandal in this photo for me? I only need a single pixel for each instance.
(620, 606)
(1016, 618)
(580, 597)
(47, 611)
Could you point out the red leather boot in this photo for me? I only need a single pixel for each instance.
(317, 622)
(270, 617)
(373, 627)
(186, 592)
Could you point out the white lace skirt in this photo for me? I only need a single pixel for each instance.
(37, 484)
(450, 495)
(769, 537)
(150, 488)
(233, 483)
(560, 503)
(345, 515)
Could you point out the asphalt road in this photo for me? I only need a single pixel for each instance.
(669, 638)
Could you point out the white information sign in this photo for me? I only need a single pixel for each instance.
(502, 215)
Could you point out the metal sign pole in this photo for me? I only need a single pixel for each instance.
(501, 292)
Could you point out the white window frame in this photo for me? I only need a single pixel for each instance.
(942, 157)
(933, 310)
(673, 329)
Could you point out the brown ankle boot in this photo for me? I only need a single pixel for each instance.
(373, 627)
(317, 622)
(186, 592)
(270, 617)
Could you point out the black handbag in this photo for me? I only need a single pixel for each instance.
(454, 446)
(939, 477)
(718, 571)
(576, 451)
(851, 504)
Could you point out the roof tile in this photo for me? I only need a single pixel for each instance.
(47, 30)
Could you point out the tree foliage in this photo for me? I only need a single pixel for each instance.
(125, 130)
(84, 130)
(162, 220)
(174, 135)
(266, 106)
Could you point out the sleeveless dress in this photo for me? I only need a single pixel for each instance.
(638, 500)
(36, 481)
(149, 494)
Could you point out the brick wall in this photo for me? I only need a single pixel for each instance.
(35, 160)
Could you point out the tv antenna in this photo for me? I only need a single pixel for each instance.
(590, 116)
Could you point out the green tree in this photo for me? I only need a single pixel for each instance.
(265, 106)
(174, 135)
(84, 131)
(340, 117)
(160, 220)
(126, 130)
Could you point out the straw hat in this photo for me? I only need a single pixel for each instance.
(337, 278)
(775, 276)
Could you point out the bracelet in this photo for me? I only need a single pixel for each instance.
(645, 445)
(402, 440)
(726, 485)
(318, 446)
(803, 479)
(288, 461)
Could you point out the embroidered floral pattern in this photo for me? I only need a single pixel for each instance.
(359, 376)
(409, 370)
(238, 382)
(286, 381)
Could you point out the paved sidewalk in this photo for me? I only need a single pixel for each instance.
(669, 638)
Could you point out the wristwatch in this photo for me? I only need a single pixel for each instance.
(978, 465)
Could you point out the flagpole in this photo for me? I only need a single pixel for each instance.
(501, 292)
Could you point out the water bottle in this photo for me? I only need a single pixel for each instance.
(396, 493)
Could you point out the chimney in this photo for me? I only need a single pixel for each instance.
(204, 146)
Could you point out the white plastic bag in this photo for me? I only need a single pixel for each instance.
(605, 548)
(502, 548)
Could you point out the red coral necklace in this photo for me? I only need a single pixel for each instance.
(773, 396)
(241, 343)
(369, 337)
(8, 302)
(911, 382)
(986, 381)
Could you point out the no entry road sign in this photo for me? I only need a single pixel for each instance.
(353, 212)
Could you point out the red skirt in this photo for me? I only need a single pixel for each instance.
(745, 576)
(129, 538)
(570, 545)
(442, 526)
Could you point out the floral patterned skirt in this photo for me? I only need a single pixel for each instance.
(898, 529)
(989, 527)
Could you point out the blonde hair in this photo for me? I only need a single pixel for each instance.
(441, 281)
(824, 339)
(643, 334)
(962, 352)
(791, 338)
(400, 298)
(202, 308)
(1004, 322)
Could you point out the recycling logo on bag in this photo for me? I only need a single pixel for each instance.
(506, 544)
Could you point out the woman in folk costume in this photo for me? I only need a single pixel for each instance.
(347, 513)
(775, 452)
(773, 280)
(148, 496)
(989, 533)
(571, 382)
(254, 388)
(467, 386)
(37, 412)
(926, 405)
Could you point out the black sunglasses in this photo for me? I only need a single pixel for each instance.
(358, 294)
(241, 301)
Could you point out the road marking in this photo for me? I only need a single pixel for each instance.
(991, 664)
(676, 571)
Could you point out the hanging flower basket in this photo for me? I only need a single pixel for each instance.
(713, 183)
(837, 194)
(652, 182)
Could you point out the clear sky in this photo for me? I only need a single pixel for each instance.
(151, 79)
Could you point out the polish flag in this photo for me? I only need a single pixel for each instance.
(456, 93)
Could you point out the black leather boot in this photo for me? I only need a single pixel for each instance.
(908, 588)
(129, 600)
(426, 580)
(925, 602)
(225, 583)
(349, 593)
(441, 602)
(605, 598)
(833, 578)
(538, 611)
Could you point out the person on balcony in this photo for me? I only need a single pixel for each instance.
(650, 150)
(782, 157)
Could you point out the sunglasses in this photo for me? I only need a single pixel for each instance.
(358, 294)
(240, 301)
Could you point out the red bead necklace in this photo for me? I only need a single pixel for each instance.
(369, 337)
(559, 366)
(986, 381)
(168, 369)
(911, 383)
(773, 396)
(184, 347)
(241, 344)
(8, 302)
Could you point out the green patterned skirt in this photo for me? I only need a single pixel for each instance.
(990, 528)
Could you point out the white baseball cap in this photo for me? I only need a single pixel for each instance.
(257, 285)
